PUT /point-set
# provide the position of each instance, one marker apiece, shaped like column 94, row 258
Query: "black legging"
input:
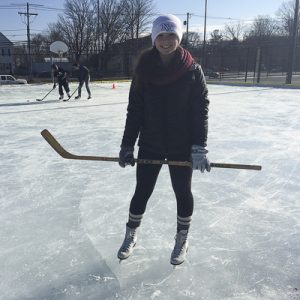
column 146, row 176
column 63, row 83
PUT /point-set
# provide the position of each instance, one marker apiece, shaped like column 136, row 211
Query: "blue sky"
column 218, row 13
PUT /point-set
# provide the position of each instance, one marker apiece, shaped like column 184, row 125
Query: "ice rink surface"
column 62, row 221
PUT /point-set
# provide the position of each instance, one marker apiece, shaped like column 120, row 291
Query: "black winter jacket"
column 169, row 118
column 83, row 73
column 60, row 74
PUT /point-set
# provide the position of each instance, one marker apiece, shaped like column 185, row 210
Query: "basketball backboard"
column 58, row 47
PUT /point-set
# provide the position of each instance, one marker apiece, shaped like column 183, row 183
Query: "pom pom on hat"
column 166, row 24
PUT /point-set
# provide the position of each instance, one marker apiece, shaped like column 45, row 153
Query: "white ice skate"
column 180, row 249
column 128, row 243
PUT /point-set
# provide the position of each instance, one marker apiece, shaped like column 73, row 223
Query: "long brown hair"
column 145, row 66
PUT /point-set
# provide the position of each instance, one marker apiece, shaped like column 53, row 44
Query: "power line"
column 234, row 19
column 35, row 6
column 12, row 30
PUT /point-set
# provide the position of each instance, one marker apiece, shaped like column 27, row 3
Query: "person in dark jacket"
column 168, row 111
column 83, row 77
column 60, row 76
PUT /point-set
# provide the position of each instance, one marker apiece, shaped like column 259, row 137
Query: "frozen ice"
column 63, row 221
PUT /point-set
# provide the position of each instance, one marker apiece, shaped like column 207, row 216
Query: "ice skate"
column 128, row 243
column 180, row 249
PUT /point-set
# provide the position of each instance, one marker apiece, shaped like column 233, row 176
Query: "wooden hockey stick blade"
column 65, row 154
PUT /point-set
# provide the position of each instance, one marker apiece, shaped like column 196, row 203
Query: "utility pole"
column 204, row 38
column 98, row 25
column 187, row 29
column 293, row 43
column 27, row 22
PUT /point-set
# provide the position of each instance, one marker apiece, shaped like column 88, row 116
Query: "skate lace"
column 180, row 241
column 128, row 241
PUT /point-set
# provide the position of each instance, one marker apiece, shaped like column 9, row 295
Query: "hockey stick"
column 71, row 95
column 65, row 154
column 45, row 95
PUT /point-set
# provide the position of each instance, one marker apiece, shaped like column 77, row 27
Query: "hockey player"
column 83, row 77
column 168, row 110
column 60, row 76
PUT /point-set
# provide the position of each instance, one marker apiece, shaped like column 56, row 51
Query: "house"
column 6, row 60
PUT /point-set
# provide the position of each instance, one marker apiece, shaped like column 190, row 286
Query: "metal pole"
column 246, row 67
column 204, row 38
column 187, row 29
column 258, row 63
column 293, row 44
column 98, row 25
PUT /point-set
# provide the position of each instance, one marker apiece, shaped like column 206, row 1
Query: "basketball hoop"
column 59, row 48
column 60, row 54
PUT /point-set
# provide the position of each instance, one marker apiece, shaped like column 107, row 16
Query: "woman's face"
column 166, row 43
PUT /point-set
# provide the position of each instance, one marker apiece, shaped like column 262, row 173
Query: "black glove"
column 126, row 156
column 199, row 159
column 54, row 85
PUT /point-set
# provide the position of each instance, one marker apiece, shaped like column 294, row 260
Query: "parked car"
column 213, row 74
column 8, row 79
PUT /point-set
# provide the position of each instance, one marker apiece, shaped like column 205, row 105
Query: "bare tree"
column 54, row 33
column 77, row 26
column 263, row 26
column 234, row 31
column 216, row 36
column 194, row 39
column 111, row 23
column 137, row 14
column 40, row 46
column 286, row 14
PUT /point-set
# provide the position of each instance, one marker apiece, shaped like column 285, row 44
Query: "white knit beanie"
column 166, row 24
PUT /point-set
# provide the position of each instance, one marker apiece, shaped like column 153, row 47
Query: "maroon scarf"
column 151, row 70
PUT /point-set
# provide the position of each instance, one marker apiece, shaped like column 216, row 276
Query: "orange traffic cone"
column 113, row 86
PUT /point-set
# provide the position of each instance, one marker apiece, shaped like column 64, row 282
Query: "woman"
column 168, row 110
